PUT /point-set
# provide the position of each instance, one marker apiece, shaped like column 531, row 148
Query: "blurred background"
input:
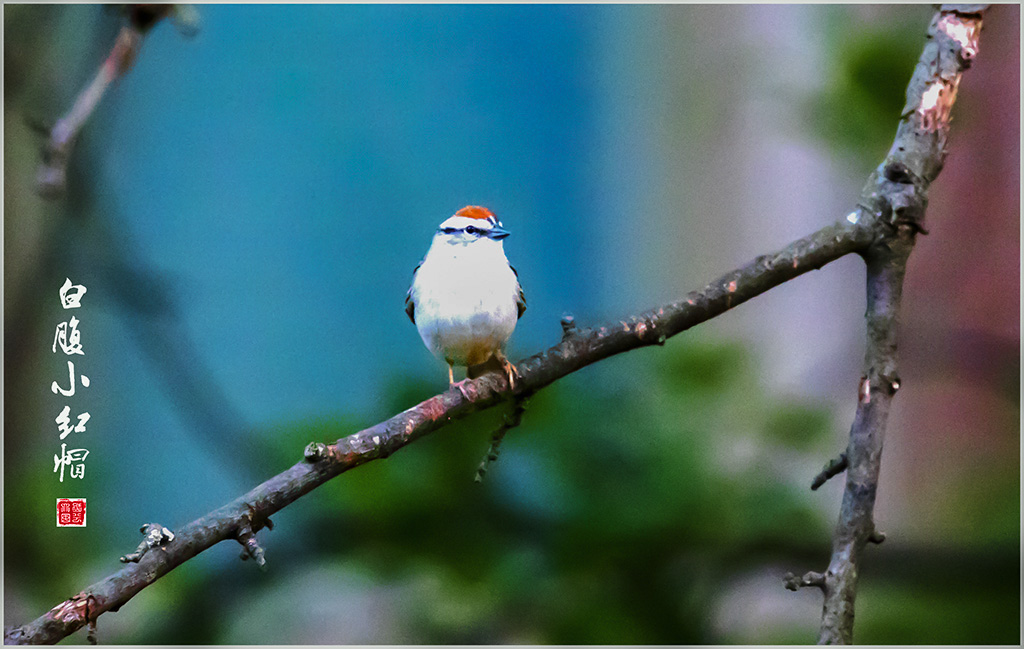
column 246, row 207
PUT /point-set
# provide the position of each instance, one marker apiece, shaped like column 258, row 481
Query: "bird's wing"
column 410, row 306
column 521, row 297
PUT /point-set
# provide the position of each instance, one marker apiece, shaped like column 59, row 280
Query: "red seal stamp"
column 71, row 512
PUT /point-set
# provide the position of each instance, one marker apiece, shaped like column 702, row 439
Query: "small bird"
column 465, row 298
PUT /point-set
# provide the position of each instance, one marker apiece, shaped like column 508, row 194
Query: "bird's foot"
column 510, row 373
column 461, row 385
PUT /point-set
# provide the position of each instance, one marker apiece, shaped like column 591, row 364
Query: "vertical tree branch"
column 886, row 266
column 896, row 195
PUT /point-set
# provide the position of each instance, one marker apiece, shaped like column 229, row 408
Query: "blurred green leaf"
column 796, row 426
column 865, row 89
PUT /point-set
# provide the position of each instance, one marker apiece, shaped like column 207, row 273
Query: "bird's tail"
column 493, row 364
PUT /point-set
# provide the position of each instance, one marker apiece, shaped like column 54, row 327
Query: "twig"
column 251, row 548
column 568, row 325
column 509, row 422
column 831, row 470
column 90, row 633
column 809, row 580
column 896, row 195
column 52, row 175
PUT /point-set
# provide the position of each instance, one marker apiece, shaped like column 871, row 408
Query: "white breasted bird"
column 465, row 297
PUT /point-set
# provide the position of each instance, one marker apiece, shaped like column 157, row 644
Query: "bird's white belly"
column 464, row 318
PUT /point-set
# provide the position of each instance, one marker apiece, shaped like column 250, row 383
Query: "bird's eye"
column 473, row 230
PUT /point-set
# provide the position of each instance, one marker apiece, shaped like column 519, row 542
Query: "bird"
column 465, row 298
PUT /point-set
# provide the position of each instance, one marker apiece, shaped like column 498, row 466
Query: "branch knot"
column 156, row 535
column 316, row 451
column 568, row 326
column 251, row 549
column 831, row 470
column 809, row 580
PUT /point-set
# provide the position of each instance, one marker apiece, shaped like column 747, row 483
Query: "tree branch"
column 831, row 470
column 578, row 348
column 897, row 192
column 52, row 174
column 881, row 229
column 511, row 420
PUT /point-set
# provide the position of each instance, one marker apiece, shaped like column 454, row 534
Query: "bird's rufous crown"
column 476, row 212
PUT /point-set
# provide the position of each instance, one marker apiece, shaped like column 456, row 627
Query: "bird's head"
column 470, row 225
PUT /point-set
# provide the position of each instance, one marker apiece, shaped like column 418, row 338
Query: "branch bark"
column 881, row 229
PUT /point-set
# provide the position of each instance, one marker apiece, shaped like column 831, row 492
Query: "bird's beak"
column 498, row 233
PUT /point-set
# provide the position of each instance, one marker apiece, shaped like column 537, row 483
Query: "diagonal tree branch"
column 52, row 174
column 577, row 349
column 897, row 193
column 881, row 229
